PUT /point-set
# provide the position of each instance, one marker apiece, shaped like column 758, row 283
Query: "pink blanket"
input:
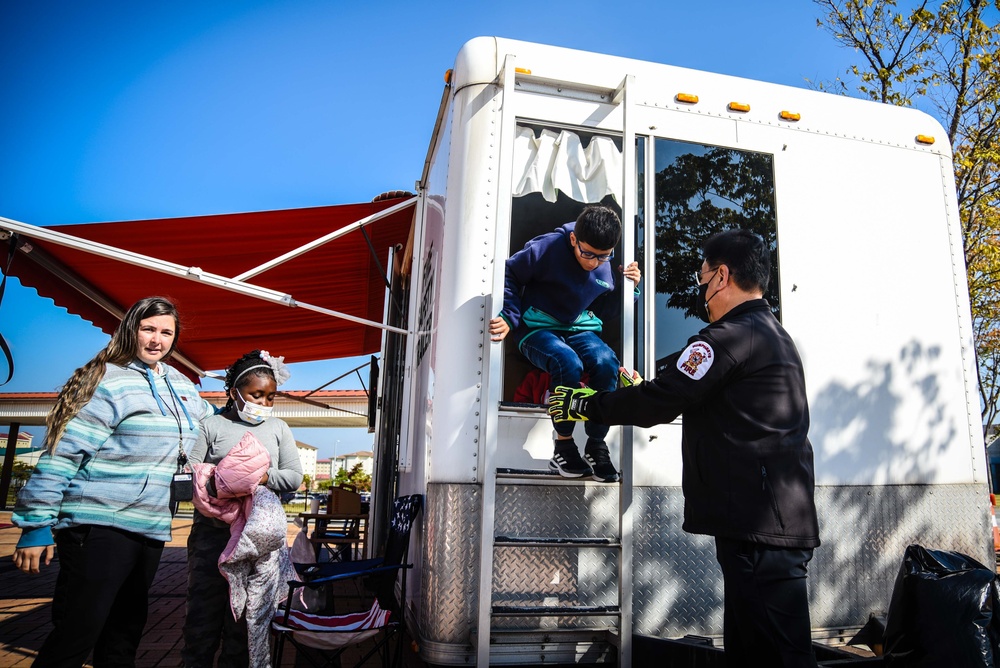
column 236, row 477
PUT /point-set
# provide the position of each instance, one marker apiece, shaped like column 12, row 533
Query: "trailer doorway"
column 561, row 162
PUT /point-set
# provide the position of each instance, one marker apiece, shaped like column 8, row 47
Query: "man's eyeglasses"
column 588, row 255
column 699, row 274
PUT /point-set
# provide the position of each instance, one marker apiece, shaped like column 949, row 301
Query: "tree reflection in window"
column 701, row 190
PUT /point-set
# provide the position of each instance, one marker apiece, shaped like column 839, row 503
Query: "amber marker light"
column 738, row 106
column 925, row 139
column 447, row 77
column 522, row 70
column 789, row 116
column 686, row 97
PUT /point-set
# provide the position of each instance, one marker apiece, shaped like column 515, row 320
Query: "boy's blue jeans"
column 566, row 356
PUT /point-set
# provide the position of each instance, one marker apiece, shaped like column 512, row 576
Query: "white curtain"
column 558, row 162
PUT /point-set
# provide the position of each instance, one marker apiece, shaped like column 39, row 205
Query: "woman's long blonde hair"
column 123, row 348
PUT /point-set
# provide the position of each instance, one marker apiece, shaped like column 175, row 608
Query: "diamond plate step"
column 546, row 476
column 537, row 541
column 554, row 610
column 579, row 633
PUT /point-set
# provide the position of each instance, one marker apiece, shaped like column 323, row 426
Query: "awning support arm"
column 318, row 404
column 361, row 380
column 371, row 249
column 343, row 375
column 316, row 243
column 381, row 271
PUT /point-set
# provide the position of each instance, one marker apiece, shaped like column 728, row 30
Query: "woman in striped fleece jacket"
column 101, row 490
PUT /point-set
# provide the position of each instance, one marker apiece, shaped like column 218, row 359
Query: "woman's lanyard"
column 176, row 414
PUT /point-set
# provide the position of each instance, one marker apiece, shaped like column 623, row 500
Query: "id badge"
column 182, row 487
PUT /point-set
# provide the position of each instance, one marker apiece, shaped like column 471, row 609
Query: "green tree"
column 943, row 58
column 362, row 481
column 20, row 474
column 699, row 194
column 355, row 478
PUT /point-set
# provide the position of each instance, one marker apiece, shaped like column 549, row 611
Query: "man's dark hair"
column 598, row 227
column 746, row 255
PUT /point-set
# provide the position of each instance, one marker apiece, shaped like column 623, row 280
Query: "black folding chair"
column 340, row 536
column 310, row 622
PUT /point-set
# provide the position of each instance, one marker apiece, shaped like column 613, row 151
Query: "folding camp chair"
column 309, row 619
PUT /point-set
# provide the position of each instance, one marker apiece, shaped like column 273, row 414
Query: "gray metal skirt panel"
column 677, row 584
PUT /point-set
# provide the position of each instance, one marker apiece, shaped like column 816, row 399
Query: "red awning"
column 218, row 325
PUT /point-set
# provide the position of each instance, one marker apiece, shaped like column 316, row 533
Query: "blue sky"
column 138, row 110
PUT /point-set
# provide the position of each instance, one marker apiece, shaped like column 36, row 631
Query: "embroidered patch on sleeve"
column 696, row 360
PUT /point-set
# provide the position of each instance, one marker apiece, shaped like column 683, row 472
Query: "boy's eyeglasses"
column 587, row 255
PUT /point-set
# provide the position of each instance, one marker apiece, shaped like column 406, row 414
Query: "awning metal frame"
column 237, row 284
column 305, row 248
column 67, row 276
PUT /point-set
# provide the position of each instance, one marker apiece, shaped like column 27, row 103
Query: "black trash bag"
column 942, row 612
column 871, row 634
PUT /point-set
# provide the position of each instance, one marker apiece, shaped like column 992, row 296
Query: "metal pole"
column 8, row 463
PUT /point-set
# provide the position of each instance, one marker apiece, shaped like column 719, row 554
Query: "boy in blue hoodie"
column 550, row 290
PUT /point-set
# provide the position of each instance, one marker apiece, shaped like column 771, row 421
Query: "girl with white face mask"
column 251, row 384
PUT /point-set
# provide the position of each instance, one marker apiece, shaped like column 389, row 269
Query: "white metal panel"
column 656, row 453
column 467, row 256
column 869, row 295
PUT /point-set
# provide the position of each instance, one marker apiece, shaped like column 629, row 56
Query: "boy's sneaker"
column 567, row 460
column 596, row 454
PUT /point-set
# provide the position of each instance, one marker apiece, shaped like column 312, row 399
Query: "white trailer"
column 858, row 201
column 515, row 566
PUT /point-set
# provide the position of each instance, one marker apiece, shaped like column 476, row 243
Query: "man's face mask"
column 701, row 303
column 252, row 413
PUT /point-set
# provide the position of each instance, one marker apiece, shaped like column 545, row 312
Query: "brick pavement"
column 25, row 605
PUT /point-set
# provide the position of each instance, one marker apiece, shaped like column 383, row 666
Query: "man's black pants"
column 101, row 597
column 766, row 604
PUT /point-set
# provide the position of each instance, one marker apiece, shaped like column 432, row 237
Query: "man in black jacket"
column 748, row 466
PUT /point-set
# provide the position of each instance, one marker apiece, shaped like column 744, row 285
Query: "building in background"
column 307, row 457
column 323, row 469
column 23, row 450
column 350, row 460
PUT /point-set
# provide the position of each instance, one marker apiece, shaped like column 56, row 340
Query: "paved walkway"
column 25, row 605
